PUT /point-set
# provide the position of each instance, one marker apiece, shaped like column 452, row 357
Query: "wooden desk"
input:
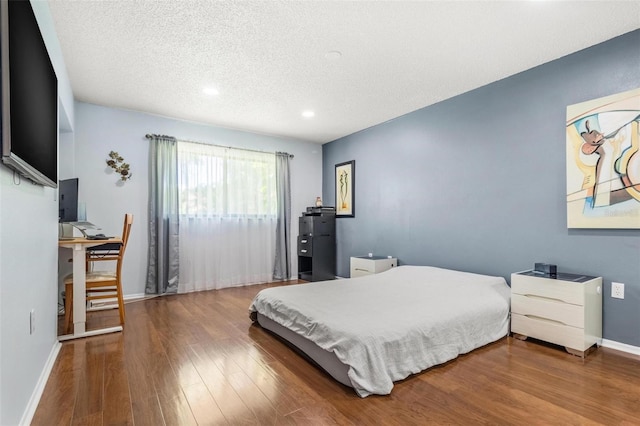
column 79, row 247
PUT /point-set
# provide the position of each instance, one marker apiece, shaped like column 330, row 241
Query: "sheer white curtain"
column 228, row 216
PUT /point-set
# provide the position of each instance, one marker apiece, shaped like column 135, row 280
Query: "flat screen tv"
column 29, row 96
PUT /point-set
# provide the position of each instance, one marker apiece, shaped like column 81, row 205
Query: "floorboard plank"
column 147, row 411
column 88, row 399
column 203, row 406
column 117, row 399
column 176, row 410
column 228, row 401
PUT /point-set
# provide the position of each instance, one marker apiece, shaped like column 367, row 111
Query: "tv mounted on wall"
column 29, row 96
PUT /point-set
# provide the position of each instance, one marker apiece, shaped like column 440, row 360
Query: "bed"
column 371, row 331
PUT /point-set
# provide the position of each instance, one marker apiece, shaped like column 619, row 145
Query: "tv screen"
column 29, row 96
column 68, row 200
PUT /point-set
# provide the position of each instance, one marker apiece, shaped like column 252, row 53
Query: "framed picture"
column 603, row 162
column 345, row 189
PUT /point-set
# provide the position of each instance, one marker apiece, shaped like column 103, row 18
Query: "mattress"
column 384, row 327
column 326, row 360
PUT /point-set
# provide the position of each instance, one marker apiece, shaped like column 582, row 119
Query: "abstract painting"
column 603, row 162
column 345, row 189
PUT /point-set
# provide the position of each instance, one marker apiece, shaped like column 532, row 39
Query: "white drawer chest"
column 565, row 310
column 365, row 265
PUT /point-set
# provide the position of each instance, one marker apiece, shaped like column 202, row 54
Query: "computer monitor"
column 68, row 200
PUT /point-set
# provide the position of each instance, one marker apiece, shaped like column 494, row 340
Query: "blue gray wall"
column 477, row 182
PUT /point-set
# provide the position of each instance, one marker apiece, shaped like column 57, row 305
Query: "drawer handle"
column 537, row 318
column 360, row 269
column 303, row 251
column 548, row 299
column 303, row 241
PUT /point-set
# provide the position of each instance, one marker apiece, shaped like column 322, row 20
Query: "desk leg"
column 79, row 301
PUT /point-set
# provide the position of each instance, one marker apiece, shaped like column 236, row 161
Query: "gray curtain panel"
column 162, row 271
column 282, row 266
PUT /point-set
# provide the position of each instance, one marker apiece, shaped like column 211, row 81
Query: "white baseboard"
column 112, row 303
column 27, row 416
column 135, row 296
column 621, row 346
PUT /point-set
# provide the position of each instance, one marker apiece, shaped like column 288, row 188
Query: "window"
column 225, row 182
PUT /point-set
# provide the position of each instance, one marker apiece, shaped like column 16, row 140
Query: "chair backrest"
column 126, row 231
column 109, row 253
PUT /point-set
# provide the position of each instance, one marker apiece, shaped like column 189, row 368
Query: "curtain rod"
column 150, row 136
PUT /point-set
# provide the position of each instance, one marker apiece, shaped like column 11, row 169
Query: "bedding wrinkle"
column 390, row 325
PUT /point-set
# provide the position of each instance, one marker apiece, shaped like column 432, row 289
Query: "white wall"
column 28, row 266
column 28, row 241
column 99, row 130
column 66, row 156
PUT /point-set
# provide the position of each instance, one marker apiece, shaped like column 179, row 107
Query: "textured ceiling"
column 270, row 60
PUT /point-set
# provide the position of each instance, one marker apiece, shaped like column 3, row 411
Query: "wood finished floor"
column 196, row 359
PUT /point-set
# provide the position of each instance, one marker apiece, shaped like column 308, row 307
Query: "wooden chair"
column 101, row 284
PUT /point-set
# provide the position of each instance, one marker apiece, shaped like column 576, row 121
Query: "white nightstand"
column 365, row 265
column 565, row 310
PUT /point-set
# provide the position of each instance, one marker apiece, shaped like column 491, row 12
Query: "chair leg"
column 120, row 303
column 68, row 308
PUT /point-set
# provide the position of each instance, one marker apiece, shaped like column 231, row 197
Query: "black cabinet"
column 317, row 247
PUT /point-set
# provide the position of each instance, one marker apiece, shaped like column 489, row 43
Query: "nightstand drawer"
column 552, row 309
column 549, row 331
column 565, row 291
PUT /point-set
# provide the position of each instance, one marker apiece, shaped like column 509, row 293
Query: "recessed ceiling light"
column 308, row 114
column 211, row 91
column 333, row 55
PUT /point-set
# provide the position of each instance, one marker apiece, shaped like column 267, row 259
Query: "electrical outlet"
column 617, row 290
column 32, row 321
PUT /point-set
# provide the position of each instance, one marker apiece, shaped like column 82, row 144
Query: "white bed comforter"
column 388, row 326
